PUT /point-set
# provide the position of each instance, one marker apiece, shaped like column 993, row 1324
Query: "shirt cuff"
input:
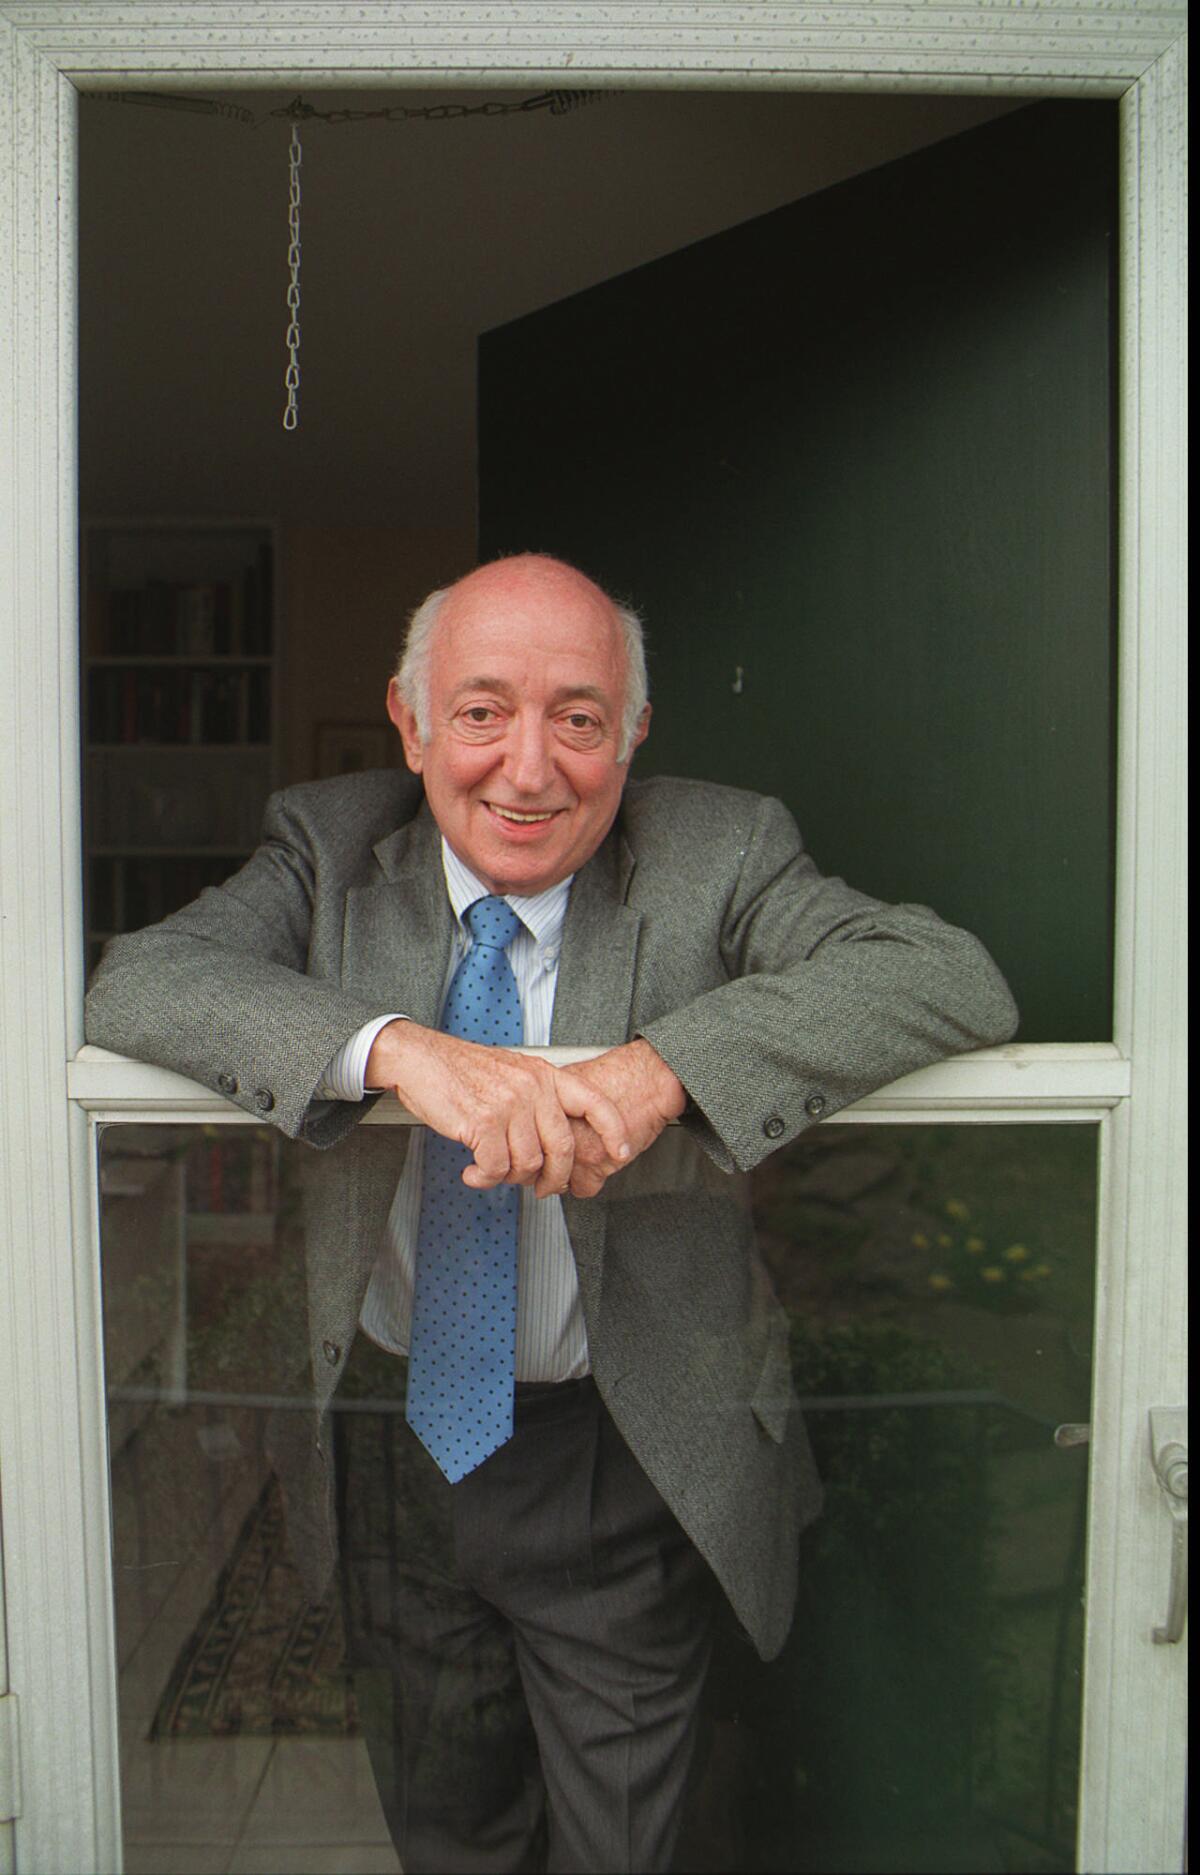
column 343, row 1078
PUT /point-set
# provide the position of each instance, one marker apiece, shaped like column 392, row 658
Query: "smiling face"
column 526, row 689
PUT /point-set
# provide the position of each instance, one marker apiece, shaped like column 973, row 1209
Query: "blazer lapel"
column 397, row 933
column 599, row 952
column 592, row 1003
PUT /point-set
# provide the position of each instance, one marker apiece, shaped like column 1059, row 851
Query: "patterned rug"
column 262, row 1659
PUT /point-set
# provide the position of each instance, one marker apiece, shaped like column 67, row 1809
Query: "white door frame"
column 52, row 1424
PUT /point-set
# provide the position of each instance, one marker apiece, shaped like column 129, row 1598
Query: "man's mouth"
column 523, row 819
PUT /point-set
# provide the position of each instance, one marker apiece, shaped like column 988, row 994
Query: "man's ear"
column 642, row 730
column 405, row 720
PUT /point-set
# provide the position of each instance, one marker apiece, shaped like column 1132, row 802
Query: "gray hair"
column 415, row 660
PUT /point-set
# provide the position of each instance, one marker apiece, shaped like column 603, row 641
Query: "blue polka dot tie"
column 464, row 1326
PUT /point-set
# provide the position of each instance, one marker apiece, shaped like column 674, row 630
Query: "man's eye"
column 478, row 713
column 581, row 722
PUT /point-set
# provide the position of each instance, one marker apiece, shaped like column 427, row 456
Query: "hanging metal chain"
column 558, row 103
column 291, row 412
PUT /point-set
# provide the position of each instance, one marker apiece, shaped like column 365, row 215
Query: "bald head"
column 523, row 583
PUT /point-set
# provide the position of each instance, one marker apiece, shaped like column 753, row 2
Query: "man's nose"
column 529, row 763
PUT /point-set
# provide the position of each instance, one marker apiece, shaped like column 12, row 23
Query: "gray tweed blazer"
column 777, row 995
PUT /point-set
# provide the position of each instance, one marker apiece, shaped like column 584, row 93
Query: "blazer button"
column 264, row 1100
column 774, row 1128
column 815, row 1105
column 332, row 1352
column 227, row 1083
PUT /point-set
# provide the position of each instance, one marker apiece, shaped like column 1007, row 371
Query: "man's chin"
column 523, row 872
column 520, row 881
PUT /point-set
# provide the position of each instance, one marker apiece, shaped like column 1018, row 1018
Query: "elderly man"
column 600, row 1431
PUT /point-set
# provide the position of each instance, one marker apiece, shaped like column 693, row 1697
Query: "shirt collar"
column 542, row 914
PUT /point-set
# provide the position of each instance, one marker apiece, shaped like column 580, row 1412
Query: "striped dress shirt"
column 551, row 1337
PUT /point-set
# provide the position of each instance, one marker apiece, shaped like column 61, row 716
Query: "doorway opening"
column 371, row 501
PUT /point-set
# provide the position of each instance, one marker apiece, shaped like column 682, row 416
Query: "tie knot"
column 492, row 923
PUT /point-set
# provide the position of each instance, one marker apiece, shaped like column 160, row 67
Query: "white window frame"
column 56, row 1568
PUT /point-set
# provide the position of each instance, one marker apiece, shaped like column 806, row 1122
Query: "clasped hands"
column 524, row 1121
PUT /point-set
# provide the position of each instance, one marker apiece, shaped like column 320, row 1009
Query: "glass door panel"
column 925, row 1712
column 240, row 1746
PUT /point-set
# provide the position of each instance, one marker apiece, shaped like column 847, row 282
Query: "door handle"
column 1169, row 1455
column 1072, row 1434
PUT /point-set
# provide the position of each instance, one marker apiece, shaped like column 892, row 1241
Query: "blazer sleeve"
column 222, row 991
column 830, row 995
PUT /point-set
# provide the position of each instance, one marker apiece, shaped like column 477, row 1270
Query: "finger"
column 585, row 1102
column 491, row 1163
column 555, row 1170
column 590, row 1149
column 557, row 1135
column 587, row 1181
column 525, row 1154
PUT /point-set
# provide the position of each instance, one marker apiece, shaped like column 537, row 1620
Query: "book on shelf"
column 178, row 705
column 197, row 619
column 233, row 1174
column 150, row 886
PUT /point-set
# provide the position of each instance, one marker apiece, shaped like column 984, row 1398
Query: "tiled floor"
column 216, row 1806
column 285, row 1806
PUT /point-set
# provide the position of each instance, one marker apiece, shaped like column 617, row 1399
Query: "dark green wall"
column 860, row 447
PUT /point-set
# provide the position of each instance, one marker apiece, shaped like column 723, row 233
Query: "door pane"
column 240, row 1746
column 925, row 1712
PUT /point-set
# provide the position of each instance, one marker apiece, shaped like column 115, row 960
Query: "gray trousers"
column 529, row 1644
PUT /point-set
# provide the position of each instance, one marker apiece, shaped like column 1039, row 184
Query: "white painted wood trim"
column 53, row 1460
column 1017, row 1080
column 55, row 1530
column 1135, row 1735
column 1050, row 45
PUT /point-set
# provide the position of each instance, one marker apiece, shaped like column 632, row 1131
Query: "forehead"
column 529, row 629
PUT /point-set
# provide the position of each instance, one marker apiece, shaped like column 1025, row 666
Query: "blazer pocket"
column 773, row 1399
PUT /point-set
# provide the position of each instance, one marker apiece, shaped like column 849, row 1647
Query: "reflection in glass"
column 240, row 1744
column 925, row 1711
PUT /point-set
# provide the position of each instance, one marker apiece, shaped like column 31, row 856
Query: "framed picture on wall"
column 345, row 748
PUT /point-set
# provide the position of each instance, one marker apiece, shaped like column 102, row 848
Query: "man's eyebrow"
column 592, row 693
column 481, row 683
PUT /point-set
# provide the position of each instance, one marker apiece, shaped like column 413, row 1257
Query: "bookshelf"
column 191, row 1262
column 180, row 712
